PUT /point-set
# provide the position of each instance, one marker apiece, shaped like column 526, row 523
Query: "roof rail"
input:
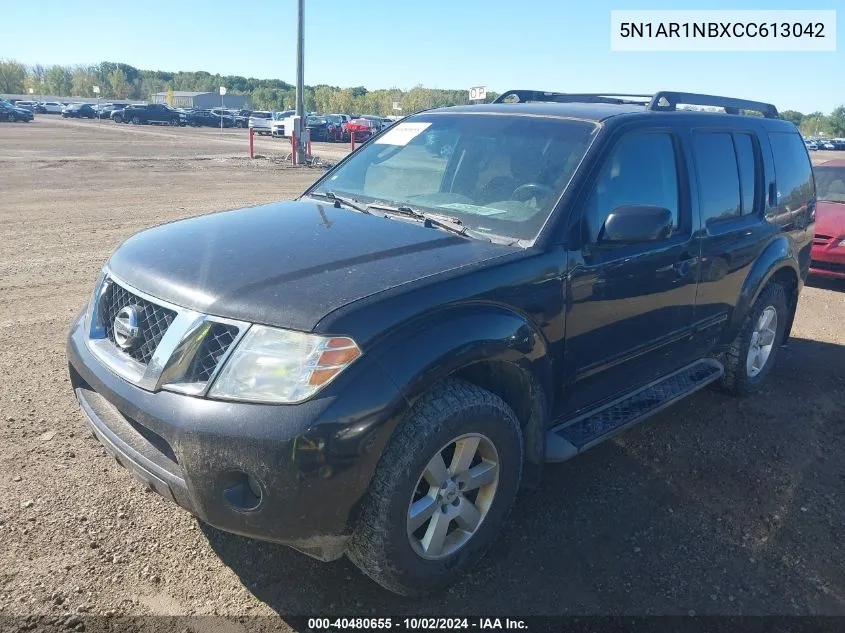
column 663, row 101
column 523, row 96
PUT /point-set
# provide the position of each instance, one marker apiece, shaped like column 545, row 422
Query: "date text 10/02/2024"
column 416, row 623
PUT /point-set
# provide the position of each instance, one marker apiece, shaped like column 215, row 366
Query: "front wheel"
column 751, row 356
column 441, row 492
column 136, row 120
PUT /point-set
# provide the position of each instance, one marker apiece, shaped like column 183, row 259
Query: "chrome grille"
column 215, row 343
column 154, row 320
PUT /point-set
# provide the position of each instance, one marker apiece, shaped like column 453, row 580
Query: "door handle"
column 683, row 266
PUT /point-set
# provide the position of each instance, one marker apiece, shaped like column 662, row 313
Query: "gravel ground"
column 716, row 506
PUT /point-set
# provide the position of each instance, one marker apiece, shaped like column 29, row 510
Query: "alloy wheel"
column 453, row 496
column 762, row 341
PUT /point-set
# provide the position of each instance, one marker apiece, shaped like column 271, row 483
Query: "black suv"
column 374, row 368
column 149, row 113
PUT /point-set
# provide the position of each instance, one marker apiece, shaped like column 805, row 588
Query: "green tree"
column 119, row 87
column 57, row 81
column 12, row 76
column 836, row 122
column 793, row 116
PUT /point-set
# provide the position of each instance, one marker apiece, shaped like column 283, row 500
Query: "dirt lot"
column 717, row 506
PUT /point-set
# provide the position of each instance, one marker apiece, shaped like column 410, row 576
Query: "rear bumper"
column 288, row 474
column 828, row 261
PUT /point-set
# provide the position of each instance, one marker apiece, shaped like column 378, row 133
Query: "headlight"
column 281, row 366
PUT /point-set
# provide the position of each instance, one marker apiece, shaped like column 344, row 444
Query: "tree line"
column 122, row 81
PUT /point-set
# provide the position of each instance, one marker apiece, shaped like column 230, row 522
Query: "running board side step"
column 579, row 434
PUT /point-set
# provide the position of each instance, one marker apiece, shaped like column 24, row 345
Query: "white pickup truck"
column 260, row 121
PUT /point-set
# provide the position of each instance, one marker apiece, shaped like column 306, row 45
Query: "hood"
column 287, row 264
column 830, row 218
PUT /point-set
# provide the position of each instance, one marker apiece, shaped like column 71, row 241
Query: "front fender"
column 460, row 337
column 777, row 255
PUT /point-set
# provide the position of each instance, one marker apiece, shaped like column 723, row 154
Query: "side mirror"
column 636, row 223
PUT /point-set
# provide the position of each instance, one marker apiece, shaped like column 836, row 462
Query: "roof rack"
column 524, row 96
column 664, row 101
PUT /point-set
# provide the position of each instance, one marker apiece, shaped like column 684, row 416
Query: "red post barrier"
column 293, row 148
column 252, row 142
column 352, row 140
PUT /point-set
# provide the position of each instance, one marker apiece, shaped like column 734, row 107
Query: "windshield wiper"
column 453, row 225
column 342, row 200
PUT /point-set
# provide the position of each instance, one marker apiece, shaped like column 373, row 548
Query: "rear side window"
column 793, row 173
column 718, row 176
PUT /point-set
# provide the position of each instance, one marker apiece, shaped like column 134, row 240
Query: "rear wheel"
column 752, row 354
column 117, row 118
column 442, row 489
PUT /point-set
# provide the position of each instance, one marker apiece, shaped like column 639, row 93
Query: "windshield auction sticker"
column 401, row 133
column 723, row 30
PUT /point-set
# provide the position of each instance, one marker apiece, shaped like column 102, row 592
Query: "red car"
column 828, row 255
column 363, row 129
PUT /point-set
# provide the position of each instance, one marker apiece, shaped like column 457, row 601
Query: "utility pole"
column 300, row 84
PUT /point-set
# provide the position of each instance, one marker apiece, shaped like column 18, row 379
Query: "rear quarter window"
column 793, row 173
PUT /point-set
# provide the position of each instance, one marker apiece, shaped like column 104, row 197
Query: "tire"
column 136, row 120
column 382, row 545
column 117, row 119
column 740, row 378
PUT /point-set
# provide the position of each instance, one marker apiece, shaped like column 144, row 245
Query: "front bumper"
column 828, row 261
column 291, row 474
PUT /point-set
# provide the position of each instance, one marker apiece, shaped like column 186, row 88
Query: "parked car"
column 230, row 118
column 139, row 114
column 27, row 105
column 828, row 145
column 336, row 128
column 50, row 107
column 260, row 121
column 811, row 145
column 208, row 118
column 277, row 124
column 318, row 127
column 106, row 111
column 381, row 388
column 79, row 111
column 362, row 129
column 828, row 255
column 10, row 113
column 377, row 121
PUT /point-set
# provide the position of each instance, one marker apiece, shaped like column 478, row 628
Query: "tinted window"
column 641, row 170
column 793, row 173
column 718, row 176
column 830, row 183
column 746, row 158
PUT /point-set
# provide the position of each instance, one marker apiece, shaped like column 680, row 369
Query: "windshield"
column 499, row 175
column 315, row 120
column 830, row 183
column 333, row 118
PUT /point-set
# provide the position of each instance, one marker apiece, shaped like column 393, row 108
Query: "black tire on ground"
column 117, row 118
column 136, row 120
column 380, row 546
column 737, row 380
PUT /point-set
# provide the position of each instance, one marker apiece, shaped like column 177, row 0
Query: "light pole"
column 300, row 85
